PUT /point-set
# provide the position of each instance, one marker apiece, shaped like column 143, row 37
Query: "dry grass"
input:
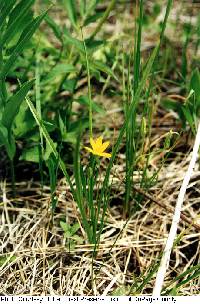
column 38, row 262
column 34, row 258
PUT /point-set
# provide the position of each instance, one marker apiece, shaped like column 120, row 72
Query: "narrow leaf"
column 25, row 37
column 55, row 28
column 16, row 18
column 71, row 10
column 5, row 10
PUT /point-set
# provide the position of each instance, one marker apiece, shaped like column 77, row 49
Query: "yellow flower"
column 98, row 147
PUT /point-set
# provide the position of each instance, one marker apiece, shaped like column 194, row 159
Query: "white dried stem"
column 176, row 217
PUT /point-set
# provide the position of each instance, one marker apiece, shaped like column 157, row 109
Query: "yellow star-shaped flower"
column 98, row 147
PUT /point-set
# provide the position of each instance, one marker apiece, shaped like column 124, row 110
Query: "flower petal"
column 104, row 146
column 105, row 154
column 89, row 150
column 92, row 143
column 98, row 143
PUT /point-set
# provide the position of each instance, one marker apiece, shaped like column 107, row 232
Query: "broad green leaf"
column 69, row 137
column 195, row 84
column 24, row 122
column 74, row 228
column 64, row 226
column 84, row 100
column 30, row 155
column 13, row 105
column 78, row 239
column 25, row 37
column 67, row 234
column 7, row 140
column 69, row 230
column 71, row 11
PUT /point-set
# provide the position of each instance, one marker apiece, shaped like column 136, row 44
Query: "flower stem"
column 89, row 85
column 12, row 170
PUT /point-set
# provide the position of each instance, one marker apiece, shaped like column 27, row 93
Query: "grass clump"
column 109, row 74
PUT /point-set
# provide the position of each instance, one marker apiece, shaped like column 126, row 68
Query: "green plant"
column 17, row 26
column 92, row 197
column 62, row 72
column 70, row 237
column 136, row 132
column 188, row 110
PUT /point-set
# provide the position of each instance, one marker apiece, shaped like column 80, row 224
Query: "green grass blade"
column 55, row 28
column 25, row 37
column 133, row 105
column 169, row 5
column 71, row 10
column 39, row 111
column 137, row 49
column 103, row 19
column 79, row 189
column 131, row 129
column 51, row 144
column 5, row 10
column 89, row 86
column 16, row 18
column 196, row 269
